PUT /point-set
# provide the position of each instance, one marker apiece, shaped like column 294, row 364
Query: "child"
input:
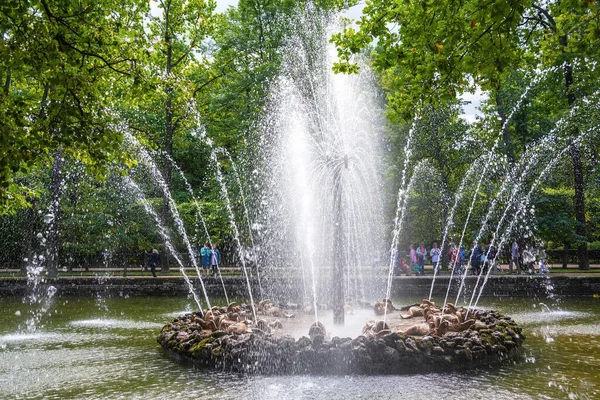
column 413, row 259
column 404, row 266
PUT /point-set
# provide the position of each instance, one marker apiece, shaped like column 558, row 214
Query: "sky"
column 353, row 12
column 470, row 110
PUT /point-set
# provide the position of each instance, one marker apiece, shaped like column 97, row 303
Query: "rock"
column 411, row 344
column 391, row 338
column 401, row 347
column 318, row 340
column 390, row 356
column 463, row 355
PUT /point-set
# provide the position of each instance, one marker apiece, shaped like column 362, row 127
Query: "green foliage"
column 427, row 51
column 57, row 65
column 554, row 209
column 74, row 75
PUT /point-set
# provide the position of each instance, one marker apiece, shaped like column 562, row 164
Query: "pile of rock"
column 490, row 339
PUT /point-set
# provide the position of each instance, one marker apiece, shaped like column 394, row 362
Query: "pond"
column 99, row 348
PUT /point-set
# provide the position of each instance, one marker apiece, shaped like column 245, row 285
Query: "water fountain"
column 320, row 157
column 323, row 184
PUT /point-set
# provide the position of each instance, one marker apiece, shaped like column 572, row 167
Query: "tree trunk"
column 168, row 142
column 579, row 200
column 565, row 257
column 7, row 83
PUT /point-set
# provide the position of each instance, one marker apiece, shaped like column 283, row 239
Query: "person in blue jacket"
column 205, row 255
column 476, row 259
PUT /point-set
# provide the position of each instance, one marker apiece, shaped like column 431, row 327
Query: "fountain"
column 305, row 324
column 323, row 190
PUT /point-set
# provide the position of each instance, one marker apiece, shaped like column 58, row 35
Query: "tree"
column 569, row 35
column 175, row 39
column 482, row 42
column 57, row 64
column 430, row 52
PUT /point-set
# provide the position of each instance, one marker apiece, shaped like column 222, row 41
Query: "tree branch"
column 546, row 14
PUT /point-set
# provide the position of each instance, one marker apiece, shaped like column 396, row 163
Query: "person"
column 542, row 263
column 215, row 260
column 483, row 261
column 422, row 257
column 462, row 257
column 514, row 257
column 403, row 267
column 205, row 254
column 528, row 259
column 476, row 259
column 376, row 262
column 153, row 261
column 491, row 252
column 435, row 253
column 413, row 259
column 453, row 254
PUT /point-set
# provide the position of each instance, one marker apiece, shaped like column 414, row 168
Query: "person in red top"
column 454, row 255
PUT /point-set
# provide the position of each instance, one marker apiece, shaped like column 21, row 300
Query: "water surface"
column 99, row 348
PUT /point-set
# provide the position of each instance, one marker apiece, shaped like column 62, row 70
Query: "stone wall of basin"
column 505, row 286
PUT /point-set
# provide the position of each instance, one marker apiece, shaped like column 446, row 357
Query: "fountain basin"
column 494, row 339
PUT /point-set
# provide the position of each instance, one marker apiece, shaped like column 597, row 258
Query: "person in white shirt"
column 434, row 253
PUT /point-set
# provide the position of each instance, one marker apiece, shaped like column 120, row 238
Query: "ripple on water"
column 415, row 387
column 540, row 317
column 573, row 330
column 116, row 323
column 52, row 338
column 176, row 314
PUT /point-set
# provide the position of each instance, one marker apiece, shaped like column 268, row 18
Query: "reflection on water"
column 116, row 323
column 86, row 351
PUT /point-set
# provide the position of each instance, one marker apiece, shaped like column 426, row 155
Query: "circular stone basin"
column 226, row 340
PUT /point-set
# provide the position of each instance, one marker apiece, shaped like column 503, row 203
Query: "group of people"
column 210, row 257
column 483, row 257
column 526, row 261
column 418, row 257
column 480, row 258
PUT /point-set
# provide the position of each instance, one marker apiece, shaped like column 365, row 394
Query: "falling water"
column 525, row 202
column 246, row 215
column 450, row 223
column 325, row 136
column 538, row 75
column 138, row 193
column 546, row 144
column 236, row 233
column 199, row 214
column 154, row 171
column 398, row 229
column 400, row 207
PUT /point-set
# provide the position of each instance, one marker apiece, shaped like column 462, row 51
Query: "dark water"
column 105, row 348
